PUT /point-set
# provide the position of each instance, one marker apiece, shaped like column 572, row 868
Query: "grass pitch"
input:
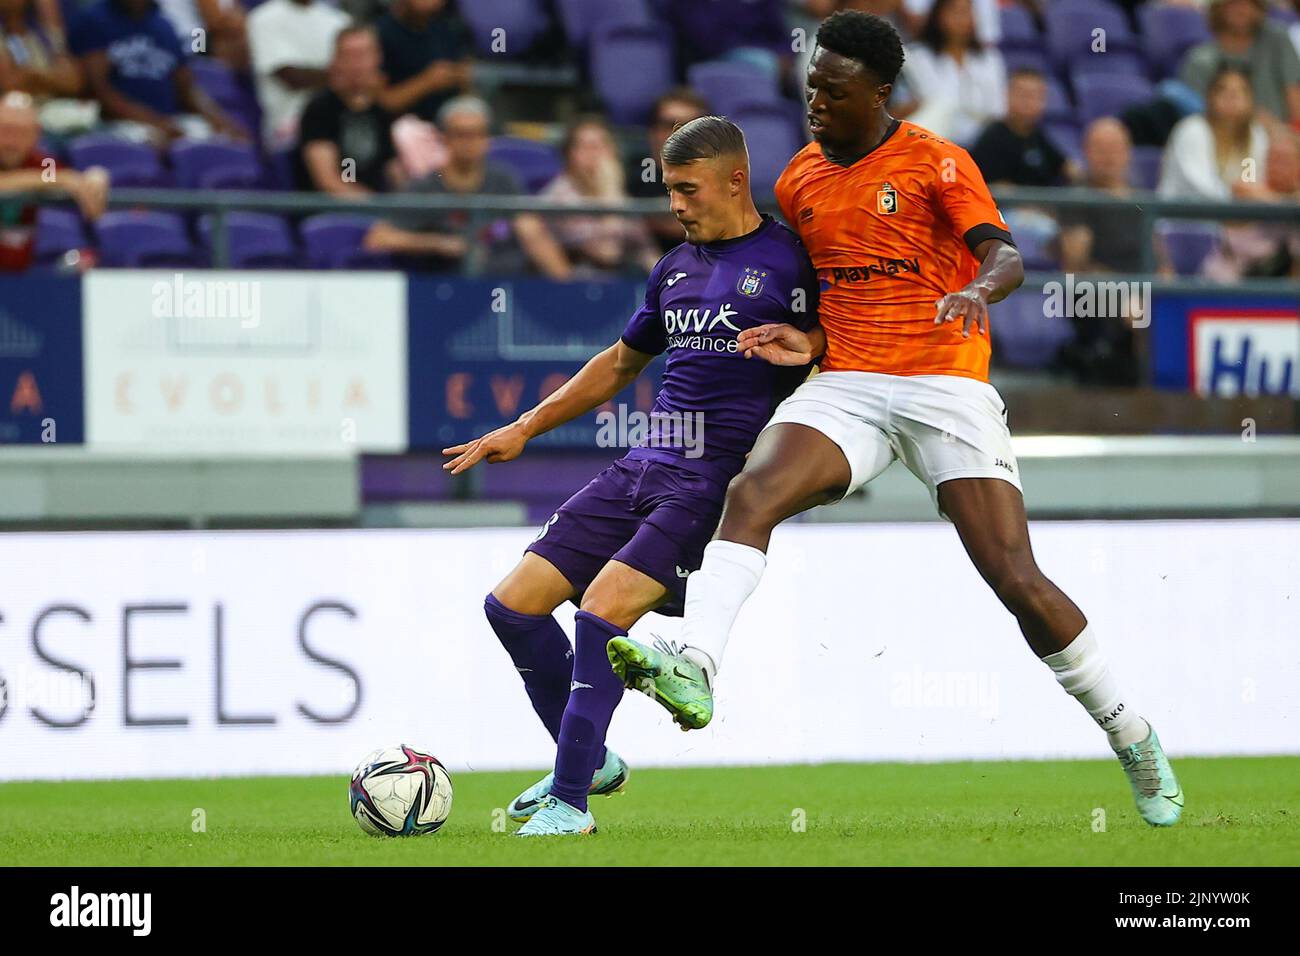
column 1240, row 811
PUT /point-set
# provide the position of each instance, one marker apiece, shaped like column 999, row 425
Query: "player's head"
column 850, row 75
column 706, row 173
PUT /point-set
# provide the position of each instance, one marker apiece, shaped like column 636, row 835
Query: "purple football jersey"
column 713, row 402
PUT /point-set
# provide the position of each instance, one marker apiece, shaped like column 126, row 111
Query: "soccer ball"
column 399, row 791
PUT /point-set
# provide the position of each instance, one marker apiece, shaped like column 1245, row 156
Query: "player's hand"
column 503, row 444
column 969, row 305
column 778, row 343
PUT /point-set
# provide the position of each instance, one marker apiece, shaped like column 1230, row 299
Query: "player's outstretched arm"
column 782, row 344
column 1001, row 272
column 599, row 380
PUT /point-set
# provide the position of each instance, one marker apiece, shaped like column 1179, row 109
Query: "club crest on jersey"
column 886, row 200
column 750, row 282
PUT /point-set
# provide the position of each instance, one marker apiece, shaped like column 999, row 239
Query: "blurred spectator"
column 1103, row 239
column 956, row 85
column 220, row 24
column 643, row 174
column 988, row 25
column 436, row 241
column 135, row 66
column 752, row 31
column 1014, row 151
column 290, row 43
column 597, row 244
column 1264, row 249
column 426, row 56
column 24, row 168
column 1222, row 153
column 1244, row 37
column 1103, row 351
column 346, row 143
column 31, row 60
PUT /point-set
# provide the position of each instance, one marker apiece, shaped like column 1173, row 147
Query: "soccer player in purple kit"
column 624, row 544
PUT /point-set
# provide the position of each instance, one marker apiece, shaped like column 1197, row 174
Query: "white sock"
column 1081, row 668
column 726, row 578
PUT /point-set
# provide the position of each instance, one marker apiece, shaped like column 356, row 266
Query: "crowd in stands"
column 1190, row 98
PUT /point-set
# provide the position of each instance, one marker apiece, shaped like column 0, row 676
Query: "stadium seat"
column 1059, row 107
column 1070, row 30
column 631, row 66
column 773, row 137
column 1146, row 166
column 581, row 18
column 255, row 240
column 1019, row 31
column 729, row 86
column 1023, row 335
column 1117, row 63
column 1187, row 244
column 1101, row 94
column 57, row 232
column 333, row 241
column 536, row 164
column 1016, row 59
column 215, row 165
column 1067, row 137
column 128, row 164
column 1168, row 32
column 143, row 239
column 520, row 22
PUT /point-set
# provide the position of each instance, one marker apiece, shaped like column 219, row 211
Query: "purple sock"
column 542, row 655
column 596, row 692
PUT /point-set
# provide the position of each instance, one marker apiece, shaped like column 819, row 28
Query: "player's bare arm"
column 1001, row 272
column 603, row 377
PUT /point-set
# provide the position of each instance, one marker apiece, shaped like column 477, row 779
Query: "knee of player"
column 1016, row 579
column 754, row 495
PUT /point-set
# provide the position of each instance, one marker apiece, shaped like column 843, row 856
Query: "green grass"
column 1240, row 811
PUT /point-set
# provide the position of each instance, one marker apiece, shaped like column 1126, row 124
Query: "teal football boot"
column 664, row 673
column 609, row 779
column 557, row 818
column 1156, row 791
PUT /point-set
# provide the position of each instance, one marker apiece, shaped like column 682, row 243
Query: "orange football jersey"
column 889, row 236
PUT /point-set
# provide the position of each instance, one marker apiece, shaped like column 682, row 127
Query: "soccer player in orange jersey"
column 910, row 249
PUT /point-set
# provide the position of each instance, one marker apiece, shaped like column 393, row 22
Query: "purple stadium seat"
column 1168, row 32
column 581, row 18
column 128, row 164
column 1146, row 166
column 1026, row 59
column 215, row 165
column 214, row 77
column 1023, row 335
column 536, row 164
column 1115, row 63
column 773, row 137
column 1070, row 28
column 1019, row 32
column 142, row 239
column 333, row 241
column 57, row 231
column 1066, row 137
column 521, row 23
column 1105, row 95
column 1187, row 243
column 257, row 240
column 1037, row 251
column 730, row 86
column 631, row 66
column 1059, row 107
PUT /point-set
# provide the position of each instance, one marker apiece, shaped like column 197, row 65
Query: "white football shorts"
column 941, row 426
